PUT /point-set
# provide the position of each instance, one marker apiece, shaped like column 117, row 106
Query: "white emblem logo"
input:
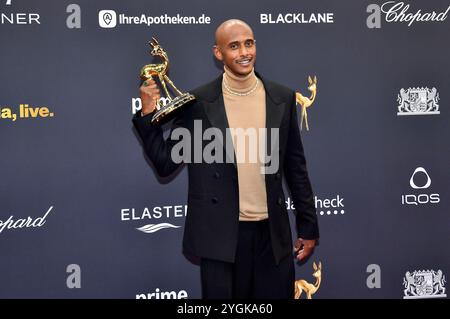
column 418, row 101
column 151, row 228
column 107, row 18
column 424, row 284
column 411, row 181
column 154, row 215
column 418, row 199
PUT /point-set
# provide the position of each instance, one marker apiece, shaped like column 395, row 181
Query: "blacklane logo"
column 296, row 18
column 107, row 18
column 416, row 199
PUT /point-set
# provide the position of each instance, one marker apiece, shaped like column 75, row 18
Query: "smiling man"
column 237, row 221
column 236, row 47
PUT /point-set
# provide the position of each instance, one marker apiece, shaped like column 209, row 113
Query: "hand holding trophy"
column 160, row 70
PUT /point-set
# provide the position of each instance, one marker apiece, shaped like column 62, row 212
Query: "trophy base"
column 173, row 105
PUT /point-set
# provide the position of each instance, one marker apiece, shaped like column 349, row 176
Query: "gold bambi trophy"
column 306, row 102
column 160, row 70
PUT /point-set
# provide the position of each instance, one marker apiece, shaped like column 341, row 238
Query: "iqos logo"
column 411, row 181
column 417, row 199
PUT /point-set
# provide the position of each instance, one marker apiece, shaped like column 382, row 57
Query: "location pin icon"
column 107, row 18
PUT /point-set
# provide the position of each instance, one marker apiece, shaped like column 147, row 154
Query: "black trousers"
column 254, row 274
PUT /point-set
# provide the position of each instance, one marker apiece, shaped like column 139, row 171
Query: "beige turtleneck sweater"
column 247, row 112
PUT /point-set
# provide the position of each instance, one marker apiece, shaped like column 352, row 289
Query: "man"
column 237, row 222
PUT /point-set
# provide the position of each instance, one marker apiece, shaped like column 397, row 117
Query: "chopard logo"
column 10, row 223
column 400, row 12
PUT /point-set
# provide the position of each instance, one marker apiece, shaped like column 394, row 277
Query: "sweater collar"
column 239, row 83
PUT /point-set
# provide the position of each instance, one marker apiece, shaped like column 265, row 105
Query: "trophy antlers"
column 154, row 42
column 157, row 50
column 159, row 70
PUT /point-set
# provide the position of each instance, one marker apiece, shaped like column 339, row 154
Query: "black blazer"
column 211, row 226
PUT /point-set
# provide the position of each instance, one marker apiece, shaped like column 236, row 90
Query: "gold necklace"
column 225, row 84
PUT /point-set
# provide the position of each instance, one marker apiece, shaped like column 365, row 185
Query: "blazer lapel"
column 217, row 116
column 274, row 114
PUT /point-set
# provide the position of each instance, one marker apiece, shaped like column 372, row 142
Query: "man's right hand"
column 149, row 96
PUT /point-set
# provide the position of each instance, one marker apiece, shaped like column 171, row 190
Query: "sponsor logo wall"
column 83, row 207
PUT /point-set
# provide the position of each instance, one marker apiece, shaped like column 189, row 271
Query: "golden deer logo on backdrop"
column 306, row 102
column 304, row 286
